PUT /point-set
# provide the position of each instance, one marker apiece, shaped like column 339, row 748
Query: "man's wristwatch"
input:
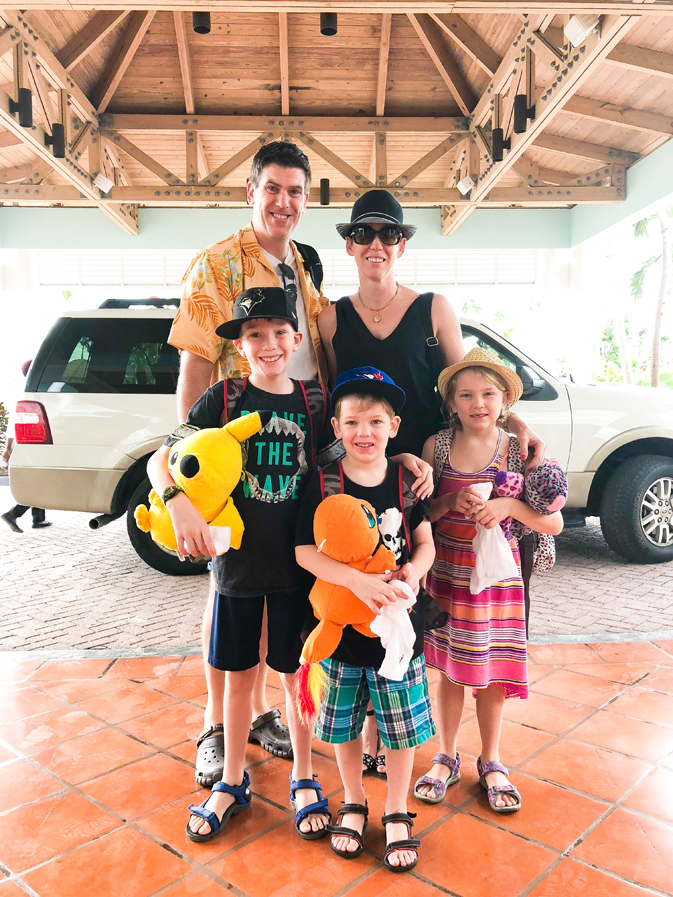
column 170, row 492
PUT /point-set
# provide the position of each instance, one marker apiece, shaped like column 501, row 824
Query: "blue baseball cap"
column 369, row 381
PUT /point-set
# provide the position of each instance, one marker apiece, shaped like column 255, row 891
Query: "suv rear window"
column 98, row 355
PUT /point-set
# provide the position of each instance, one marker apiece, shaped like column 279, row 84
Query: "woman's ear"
column 349, row 246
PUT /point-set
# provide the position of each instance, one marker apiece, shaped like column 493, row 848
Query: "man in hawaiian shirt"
column 261, row 254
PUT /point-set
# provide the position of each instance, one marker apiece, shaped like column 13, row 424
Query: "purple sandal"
column 494, row 790
column 440, row 785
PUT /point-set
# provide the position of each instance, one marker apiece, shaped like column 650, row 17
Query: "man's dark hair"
column 287, row 155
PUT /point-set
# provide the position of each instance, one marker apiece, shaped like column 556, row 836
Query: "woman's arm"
column 527, row 439
column 327, row 329
column 372, row 589
column 423, row 484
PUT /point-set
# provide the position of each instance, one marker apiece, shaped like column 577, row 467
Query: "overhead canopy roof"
column 405, row 96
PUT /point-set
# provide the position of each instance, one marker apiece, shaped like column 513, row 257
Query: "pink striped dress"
column 484, row 640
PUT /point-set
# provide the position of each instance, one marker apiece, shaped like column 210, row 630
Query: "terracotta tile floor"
column 96, row 775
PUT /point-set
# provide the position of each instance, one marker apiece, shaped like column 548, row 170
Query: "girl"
column 483, row 644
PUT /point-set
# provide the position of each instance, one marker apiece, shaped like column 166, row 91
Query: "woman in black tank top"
column 390, row 326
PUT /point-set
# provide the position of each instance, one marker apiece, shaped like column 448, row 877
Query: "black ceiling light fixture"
column 324, row 191
column 201, row 22
column 24, row 106
column 328, row 23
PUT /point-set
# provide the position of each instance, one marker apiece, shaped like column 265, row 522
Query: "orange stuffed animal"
column 346, row 530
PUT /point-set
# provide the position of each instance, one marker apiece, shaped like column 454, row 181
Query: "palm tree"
column 666, row 283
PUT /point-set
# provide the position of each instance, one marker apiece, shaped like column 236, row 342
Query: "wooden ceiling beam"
column 16, row 172
column 446, row 146
column 492, row 7
column 88, row 38
column 41, row 99
column 453, row 175
column 135, row 31
column 583, row 150
column 548, row 103
column 384, row 53
column 40, row 170
column 185, row 64
column 114, row 158
column 380, row 159
column 220, row 173
column 642, row 60
column 332, row 159
column 430, row 35
column 54, row 70
column 256, row 123
column 620, row 115
column 468, row 41
column 146, row 161
column 284, row 64
column 125, row 215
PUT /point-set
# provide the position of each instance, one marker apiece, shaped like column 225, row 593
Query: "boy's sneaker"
column 268, row 732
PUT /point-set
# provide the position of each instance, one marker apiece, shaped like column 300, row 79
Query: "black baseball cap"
column 259, row 302
column 371, row 382
column 377, row 207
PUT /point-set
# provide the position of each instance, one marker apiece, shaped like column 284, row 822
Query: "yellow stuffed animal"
column 206, row 465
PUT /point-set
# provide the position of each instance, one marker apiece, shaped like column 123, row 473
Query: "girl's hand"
column 424, row 484
column 465, row 501
column 492, row 513
column 373, row 590
column 407, row 574
column 191, row 530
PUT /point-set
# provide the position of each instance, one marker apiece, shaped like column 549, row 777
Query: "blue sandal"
column 318, row 806
column 242, row 802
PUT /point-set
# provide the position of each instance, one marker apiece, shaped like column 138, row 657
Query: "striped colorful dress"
column 484, row 640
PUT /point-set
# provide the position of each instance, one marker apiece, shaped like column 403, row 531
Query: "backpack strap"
column 233, row 388
column 315, row 399
column 407, row 498
column 332, row 479
column 312, row 263
column 443, row 441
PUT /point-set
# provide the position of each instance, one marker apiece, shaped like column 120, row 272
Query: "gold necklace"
column 377, row 315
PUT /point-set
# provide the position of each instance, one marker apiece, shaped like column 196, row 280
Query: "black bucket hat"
column 377, row 207
column 260, row 302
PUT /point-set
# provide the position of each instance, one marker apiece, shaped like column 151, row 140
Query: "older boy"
column 366, row 406
column 262, row 573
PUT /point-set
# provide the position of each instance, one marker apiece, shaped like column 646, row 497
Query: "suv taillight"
column 31, row 424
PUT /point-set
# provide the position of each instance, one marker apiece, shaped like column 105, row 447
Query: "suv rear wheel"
column 637, row 509
column 145, row 546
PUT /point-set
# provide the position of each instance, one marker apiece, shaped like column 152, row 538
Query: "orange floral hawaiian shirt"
column 211, row 285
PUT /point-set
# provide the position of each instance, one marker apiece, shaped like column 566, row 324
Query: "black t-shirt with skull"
column 355, row 648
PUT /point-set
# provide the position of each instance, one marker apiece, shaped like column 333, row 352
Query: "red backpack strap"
column 230, row 384
column 324, row 403
column 322, row 483
column 400, row 486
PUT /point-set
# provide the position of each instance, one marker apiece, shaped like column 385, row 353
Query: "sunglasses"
column 363, row 235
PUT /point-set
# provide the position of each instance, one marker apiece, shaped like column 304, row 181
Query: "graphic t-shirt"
column 277, row 469
column 355, row 648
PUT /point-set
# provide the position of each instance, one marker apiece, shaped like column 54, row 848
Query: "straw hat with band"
column 484, row 359
column 377, row 207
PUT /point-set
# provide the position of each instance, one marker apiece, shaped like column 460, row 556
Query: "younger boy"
column 366, row 406
column 262, row 573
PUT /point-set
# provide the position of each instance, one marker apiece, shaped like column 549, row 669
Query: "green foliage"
column 638, row 279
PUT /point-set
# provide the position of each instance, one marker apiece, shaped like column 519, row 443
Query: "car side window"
column 473, row 341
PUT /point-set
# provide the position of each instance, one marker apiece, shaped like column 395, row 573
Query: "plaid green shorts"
column 402, row 708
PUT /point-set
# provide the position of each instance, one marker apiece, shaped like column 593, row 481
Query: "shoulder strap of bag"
column 331, row 479
column 315, row 399
column 312, row 263
column 233, row 388
column 408, row 498
column 431, row 341
column 442, row 445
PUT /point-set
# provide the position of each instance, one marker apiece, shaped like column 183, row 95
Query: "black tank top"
column 403, row 356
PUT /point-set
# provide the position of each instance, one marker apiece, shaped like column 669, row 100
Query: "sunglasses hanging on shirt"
column 289, row 284
column 363, row 235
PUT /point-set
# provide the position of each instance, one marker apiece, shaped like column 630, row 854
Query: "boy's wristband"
column 170, row 492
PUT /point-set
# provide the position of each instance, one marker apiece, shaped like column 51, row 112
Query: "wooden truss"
column 96, row 142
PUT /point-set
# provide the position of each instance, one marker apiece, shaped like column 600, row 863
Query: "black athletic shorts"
column 237, row 629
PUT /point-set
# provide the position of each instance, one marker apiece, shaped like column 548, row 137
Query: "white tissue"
column 221, row 536
column 494, row 561
column 396, row 632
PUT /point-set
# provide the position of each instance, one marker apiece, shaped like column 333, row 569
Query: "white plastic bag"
column 396, row 632
column 494, row 560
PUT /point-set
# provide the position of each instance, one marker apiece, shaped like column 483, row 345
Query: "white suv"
column 100, row 398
